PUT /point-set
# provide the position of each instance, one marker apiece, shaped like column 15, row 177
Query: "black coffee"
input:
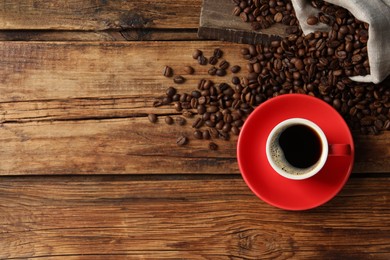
column 301, row 146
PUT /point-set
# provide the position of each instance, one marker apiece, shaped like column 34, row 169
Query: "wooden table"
column 84, row 175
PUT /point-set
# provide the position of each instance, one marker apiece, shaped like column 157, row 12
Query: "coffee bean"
column 189, row 70
column 210, row 123
column 235, row 69
column 170, row 92
column 213, row 146
column 235, row 130
column 182, row 140
column 212, row 109
column 244, row 17
column 198, row 134
column 386, row 125
column 218, row 53
column 197, row 123
column 219, row 125
column 235, row 80
column 178, row 106
column 206, row 135
column 179, row 79
column 312, row 20
column 212, row 71
column 221, row 72
column 176, row 97
column 167, row 71
column 226, row 128
column 236, row 11
column 223, row 64
column 188, row 114
column 203, row 100
column 166, row 100
column 213, row 60
column 278, row 17
column 202, row 60
column 152, row 118
column 157, row 103
column 195, row 94
column 181, row 120
column 194, row 103
column 196, row 54
column 169, row 120
column 201, row 109
column 214, row 132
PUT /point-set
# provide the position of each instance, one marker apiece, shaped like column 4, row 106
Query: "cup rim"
column 321, row 161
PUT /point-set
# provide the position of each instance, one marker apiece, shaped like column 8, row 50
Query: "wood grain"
column 98, row 15
column 80, row 108
column 145, row 34
column 192, row 217
column 218, row 23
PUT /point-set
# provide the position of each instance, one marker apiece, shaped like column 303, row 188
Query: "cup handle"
column 339, row 149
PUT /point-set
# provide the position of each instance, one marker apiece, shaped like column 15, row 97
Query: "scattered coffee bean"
column 312, row 20
column 198, row 123
column 166, row 100
column 196, row 54
column 213, row 60
column 178, row 107
column 220, row 72
column 202, row 60
column 206, row 135
column 212, row 71
column 169, row 120
column 235, row 80
column 223, row 64
column 181, row 120
column 235, row 69
column 157, row 103
column 198, row 134
column 188, row 114
column 167, row 71
column 182, row 140
column 235, row 130
column 213, row 146
column 218, row 53
column 179, row 79
column 214, row 132
column 152, row 118
column 189, row 70
column 171, row 91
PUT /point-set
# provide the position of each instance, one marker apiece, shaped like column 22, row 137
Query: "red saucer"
column 269, row 185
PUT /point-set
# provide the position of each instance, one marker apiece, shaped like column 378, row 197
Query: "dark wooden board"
column 188, row 218
column 93, row 15
column 218, row 23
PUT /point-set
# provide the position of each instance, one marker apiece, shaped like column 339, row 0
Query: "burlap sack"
column 374, row 12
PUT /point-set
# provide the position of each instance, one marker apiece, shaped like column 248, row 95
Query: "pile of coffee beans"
column 346, row 43
column 264, row 13
column 318, row 64
column 216, row 108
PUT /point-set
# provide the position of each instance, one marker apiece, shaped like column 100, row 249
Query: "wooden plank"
column 194, row 217
column 80, row 108
column 98, row 15
column 218, row 23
